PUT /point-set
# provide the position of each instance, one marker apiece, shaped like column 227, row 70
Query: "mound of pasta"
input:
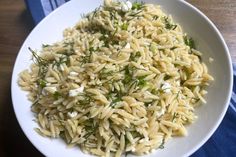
column 124, row 79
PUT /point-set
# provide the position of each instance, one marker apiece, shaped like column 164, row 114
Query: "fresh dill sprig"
column 36, row 58
column 141, row 81
column 189, row 42
column 42, row 83
column 41, row 62
column 114, row 33
column 134, row 57
column 87, row 99
column 91, row 129
column 63, row 59
column 136, row 13
column 162, row 144
column 56, row 95
column 137, row 5
column 126, row 144
column 168, row 24
column 87, row 58
column 45, row 45
column 128, row 75
column 115, row 96
column 174, row 47
column 124, row 26
column 95, row 12
column 155, row 17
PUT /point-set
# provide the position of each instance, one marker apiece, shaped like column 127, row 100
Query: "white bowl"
column 196, row 24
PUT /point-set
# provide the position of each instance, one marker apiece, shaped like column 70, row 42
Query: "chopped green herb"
column 155, row 17
column 45, row 45
column 128, row 75
column 136, row 13
column 113, row 16
column 105, row 39
column 91, row 49
column 189, row 42
column 114, row 33
column 91, row 130
column 173, row 48
column 115, row 96
column 87, row 58
column 155, row 91
column 56, row 95
column 162, row 144
column 167, row 77
column 35, row 102
column 41, row 62
column 69, row 45
column 115, row 101
column 95, row 12
column 127, row 79
column 142, row 82
column 137, row 5
column 124, row 26
column 103, row 73
column 91, row 42
column 42, row 83
column 66, row 44
column 174, row 116
column 196, row 99
column 161, row 147
column 126, row 144
column 109, row 37
column 134, row 57
column 169, row 25
column 63, row 59
column 87, row 99
column 83, row 16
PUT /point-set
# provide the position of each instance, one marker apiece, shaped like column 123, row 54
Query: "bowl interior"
column 194, row 23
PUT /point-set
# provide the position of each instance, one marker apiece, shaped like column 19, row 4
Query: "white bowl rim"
column 202, row 141
column 230, row 65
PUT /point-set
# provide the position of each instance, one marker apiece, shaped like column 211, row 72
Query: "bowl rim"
column 229, row 92
column 193, row 8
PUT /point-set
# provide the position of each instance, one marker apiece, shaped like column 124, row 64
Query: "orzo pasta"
column 125, row 79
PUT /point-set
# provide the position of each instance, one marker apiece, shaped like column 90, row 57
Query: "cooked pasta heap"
column 125, row 79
